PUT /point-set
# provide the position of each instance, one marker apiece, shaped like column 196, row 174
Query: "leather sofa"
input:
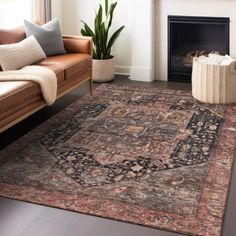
column 20, row 99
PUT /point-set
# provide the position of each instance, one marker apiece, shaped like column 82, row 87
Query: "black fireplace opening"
column 194, row 36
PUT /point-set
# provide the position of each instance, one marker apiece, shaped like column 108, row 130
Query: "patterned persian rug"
column 142, row 155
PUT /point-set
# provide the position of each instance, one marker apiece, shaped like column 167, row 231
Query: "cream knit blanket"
column 46, row 78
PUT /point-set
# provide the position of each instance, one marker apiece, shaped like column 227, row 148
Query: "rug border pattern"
column 206, row 224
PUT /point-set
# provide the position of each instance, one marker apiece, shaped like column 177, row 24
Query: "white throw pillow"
column 17, row 55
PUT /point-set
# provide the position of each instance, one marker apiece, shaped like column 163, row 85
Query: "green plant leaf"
column 106, row 6
column 95, row 54
column 100, row 14
column 100, row 34
column 103, row 39
column 98, row 37
column 88, row 30
column 85, row 33
column 111, row 13
column 114, row 37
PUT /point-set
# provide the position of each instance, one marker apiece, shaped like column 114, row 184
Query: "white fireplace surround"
column 149, row 36
column 143, row 41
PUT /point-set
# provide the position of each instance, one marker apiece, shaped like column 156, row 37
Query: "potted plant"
column 103, row 61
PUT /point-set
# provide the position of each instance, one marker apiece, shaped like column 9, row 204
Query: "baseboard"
column 122, row 70
column 141, row 74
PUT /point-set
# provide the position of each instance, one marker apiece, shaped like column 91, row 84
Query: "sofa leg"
column 91, row 86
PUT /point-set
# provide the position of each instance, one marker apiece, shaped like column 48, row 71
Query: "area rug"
column 142, row 155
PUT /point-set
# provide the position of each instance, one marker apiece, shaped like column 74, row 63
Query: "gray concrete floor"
column 24, row 219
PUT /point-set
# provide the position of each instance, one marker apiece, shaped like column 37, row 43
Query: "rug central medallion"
column 119, row 138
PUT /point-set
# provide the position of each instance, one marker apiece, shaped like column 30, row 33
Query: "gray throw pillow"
column 48, row 35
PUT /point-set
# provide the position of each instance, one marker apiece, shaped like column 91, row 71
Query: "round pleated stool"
column 215, row 84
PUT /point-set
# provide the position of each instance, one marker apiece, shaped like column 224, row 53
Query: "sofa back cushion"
column 9, row 36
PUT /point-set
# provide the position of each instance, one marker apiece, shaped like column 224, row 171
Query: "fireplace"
column 194, row 36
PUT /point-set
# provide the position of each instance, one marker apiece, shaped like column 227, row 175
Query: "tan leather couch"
column 20, row 99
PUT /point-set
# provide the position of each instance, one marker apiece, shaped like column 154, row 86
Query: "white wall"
column 71, row 12
column 163, row 8
column 57, row 10
column 123, row 48
column 76, row 10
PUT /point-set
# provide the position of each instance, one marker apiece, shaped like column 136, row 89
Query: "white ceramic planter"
column 103, row 70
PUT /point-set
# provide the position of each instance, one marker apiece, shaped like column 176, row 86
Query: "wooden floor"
column 24, row 219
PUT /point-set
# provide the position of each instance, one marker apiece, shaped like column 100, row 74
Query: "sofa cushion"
column 17, row 91
column 69, row 64
column 49, row 36
column 62, row 65
column 15, row 35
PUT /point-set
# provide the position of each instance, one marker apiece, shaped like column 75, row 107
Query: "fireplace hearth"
column 194, row 36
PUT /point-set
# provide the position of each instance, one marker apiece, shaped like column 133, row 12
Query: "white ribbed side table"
column 214, row 84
